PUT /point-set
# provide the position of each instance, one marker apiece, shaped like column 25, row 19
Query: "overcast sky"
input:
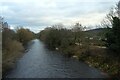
column 38, row 14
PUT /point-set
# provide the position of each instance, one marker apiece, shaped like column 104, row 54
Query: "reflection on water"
column 39, row 62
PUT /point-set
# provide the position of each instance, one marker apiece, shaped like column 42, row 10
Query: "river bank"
column 10, row 59
column 96, row 57
column 79, row 44
column 40, row 62
column 13, row 45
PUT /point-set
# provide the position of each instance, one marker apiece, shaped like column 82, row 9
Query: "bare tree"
column 58, row 26
column 118, row 7
column 114, row 12
column 78, row 33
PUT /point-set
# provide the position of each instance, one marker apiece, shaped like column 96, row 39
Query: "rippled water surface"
column 39, row 62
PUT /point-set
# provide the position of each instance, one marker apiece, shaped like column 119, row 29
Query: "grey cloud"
column 43, row 13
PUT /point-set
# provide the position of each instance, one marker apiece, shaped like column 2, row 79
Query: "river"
column 40, row 62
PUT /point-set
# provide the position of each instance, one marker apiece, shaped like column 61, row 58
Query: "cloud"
column 42, row 13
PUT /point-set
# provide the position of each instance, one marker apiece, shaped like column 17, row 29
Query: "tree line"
column 77, row 42
column 74, row 42
column 13, row 44
column 59, row 36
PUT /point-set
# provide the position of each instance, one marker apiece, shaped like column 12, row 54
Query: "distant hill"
column 96, row 32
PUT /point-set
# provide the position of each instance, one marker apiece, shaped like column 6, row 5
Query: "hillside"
column 99, row 32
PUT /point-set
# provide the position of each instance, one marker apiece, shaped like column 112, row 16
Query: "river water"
column 39, row 62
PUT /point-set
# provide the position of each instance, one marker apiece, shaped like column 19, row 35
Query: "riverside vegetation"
column 92, row 51
column 99, row 47
column 13, row 45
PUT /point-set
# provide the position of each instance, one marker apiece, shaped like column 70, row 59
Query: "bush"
column 10, row 54
column 113, row 36
column 24, row 35
column 12, row 45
